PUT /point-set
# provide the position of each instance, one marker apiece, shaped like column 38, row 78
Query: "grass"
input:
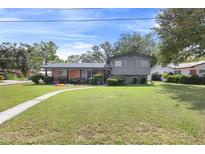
column 12, row 95
column 158, row 114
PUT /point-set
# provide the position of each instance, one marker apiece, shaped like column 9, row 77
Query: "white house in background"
column 158, row 68
column 192, row 68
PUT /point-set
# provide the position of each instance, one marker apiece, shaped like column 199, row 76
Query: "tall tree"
column 22, row 58
column 135, row 43
column 7, row 59
column 182, row 34
column 47, row 50
column 73, row 59
column 99, row 53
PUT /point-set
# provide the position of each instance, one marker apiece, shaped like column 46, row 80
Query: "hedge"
column 194, row 79
column 36, row 78
column 143, row 80
column 46, row 79
column 156, row 77
column 96, row 79
column 115, row 81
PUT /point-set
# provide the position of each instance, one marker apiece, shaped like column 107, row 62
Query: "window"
column 118, row 63
column 145, row 63
column 142, row 63
column 177, row 72
column 61, row 73
column 124, row 63
column 201, row 71
column 138, row 63
column 121, row 63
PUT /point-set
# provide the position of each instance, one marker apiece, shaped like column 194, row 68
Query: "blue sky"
column 72, row 37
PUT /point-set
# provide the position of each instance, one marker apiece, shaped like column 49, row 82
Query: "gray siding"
column 131, row 68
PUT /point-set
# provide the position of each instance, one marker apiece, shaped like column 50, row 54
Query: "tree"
column 135, row 43
column 99, row 54
column 22, row 58
column 47, row 50
column 57, row 60
column 73, row 59
column 182, row 34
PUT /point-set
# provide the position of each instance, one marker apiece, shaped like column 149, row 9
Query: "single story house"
column 158, row 68
column 130, row 66
column 191, row 68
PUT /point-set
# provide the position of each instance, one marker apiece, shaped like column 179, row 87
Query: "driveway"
column 10, row 82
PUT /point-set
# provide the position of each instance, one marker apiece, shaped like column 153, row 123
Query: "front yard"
column 11, row 95
column 157, row 114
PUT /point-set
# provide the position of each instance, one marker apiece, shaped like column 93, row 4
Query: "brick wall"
column 72, row 74
column 54, row 74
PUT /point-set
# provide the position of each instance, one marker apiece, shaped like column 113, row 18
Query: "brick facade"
column 73, row 74
column 54, row 74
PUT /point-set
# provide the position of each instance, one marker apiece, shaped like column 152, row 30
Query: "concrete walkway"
column 12, row 112
column 11, row 82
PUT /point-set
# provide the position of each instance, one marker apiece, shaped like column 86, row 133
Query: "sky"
column 72, row 37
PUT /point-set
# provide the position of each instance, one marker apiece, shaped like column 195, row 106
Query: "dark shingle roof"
column 76, row 65
column 133, row 54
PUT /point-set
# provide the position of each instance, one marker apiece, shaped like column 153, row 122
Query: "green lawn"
column 12, row 95
column 158, row 114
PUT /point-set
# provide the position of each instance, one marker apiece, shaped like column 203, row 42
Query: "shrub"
column 74, row 81
column 1, row 77
column 92, row 80
column 98, row 78
column 194, row 79
column 156, row 77
column 36, row 78
column 10, row 76
column 143, row 80
column 165, row 75
column 135, row 80
column 48, row 79
column 174, row 78
column 115, row 81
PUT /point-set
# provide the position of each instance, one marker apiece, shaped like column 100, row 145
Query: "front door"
column 192, row 72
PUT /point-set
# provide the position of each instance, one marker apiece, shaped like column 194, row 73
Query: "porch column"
column 67, row 78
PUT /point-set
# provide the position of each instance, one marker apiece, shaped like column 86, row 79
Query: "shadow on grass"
column 194, row 95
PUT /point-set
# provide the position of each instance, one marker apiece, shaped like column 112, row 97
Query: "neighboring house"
column 192, row 68
column 130, row 66
column 158, row 68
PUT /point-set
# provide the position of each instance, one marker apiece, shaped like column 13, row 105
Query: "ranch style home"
column 191, row 68
column 129, row 66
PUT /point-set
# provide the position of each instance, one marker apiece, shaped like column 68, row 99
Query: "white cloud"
column 10, row 19
column 139, row 26
column 73, row 48
column 75, row 37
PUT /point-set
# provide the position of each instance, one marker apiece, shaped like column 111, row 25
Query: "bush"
column 115, row 81
column 1, row 77
column 194, row 79
column 98, row 78
column 10, row 76
column 156, row 77
column 92, row 80
column 36, row 78
column 165, row 75
column 143, row 80
column 74, row 81
column 135, row 80
column 48, row 79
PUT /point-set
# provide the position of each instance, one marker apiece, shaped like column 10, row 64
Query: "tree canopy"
column 182, row 34
column 27, row 57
